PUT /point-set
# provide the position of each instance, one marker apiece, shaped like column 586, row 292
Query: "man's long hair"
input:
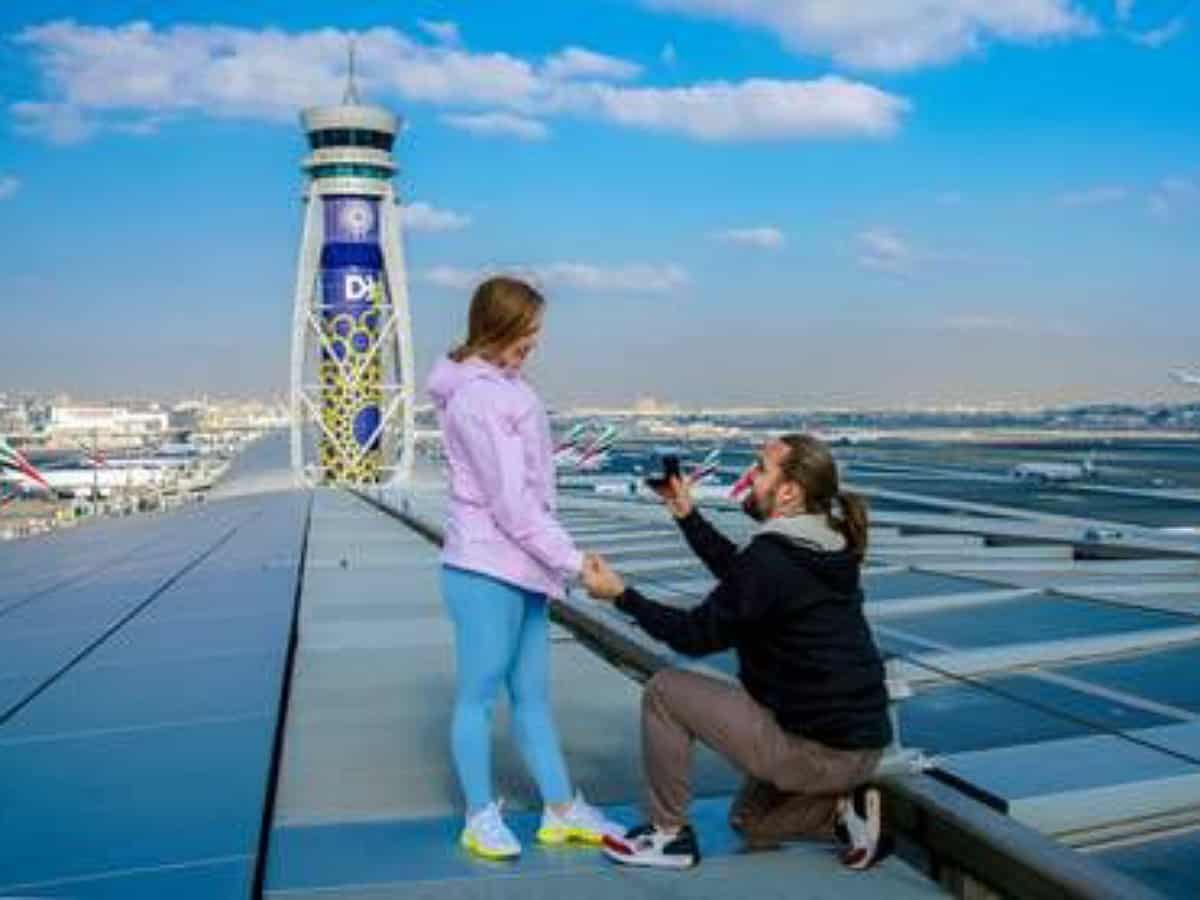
column 810, row 464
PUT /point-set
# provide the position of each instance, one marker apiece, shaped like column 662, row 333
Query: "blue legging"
column 501, row 637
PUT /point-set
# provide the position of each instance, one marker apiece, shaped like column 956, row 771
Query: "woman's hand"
column 601, row 581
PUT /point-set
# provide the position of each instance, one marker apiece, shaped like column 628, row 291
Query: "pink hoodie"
column 497, row 440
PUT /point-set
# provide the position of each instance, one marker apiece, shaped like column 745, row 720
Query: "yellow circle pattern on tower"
column 351, row 376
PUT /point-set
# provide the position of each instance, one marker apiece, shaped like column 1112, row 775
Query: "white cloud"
column 635, row 277
column 9, row 185
column 577, row 62
column 632, row 278
column 882, row 249
column 1160, row 37
column 897, row 34
column 669, row 55
column 1094, row 196
column 446, row 32
column 765, row 236
column 1124, row 9
column 134, row 77
column 455, row 278
column 501, row 124
column 423, row 217
column 57, row 123
column 226, row 72
column 1171, row 195
column 756, row 109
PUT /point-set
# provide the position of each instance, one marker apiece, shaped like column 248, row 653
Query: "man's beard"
column 752, row 508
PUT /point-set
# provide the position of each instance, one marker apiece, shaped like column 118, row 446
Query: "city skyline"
column 942, row 207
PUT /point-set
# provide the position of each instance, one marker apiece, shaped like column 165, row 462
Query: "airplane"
column 1185, row 377
column 94, row 477
column 84, row 482
column 566, row 452
column 1046, row 472
column 706, row 469
column 592, row 458
column 12, row 460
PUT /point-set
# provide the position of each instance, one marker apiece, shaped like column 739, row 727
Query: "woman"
column 504, row 554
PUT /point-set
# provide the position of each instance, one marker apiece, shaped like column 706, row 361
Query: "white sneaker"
column 486, row 835
column 860, row 828
column 647, row 846
column 579, row 822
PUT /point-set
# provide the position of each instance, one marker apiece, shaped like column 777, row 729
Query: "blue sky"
column 745, row 202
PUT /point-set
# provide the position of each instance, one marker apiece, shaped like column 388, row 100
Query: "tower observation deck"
column 352, row 368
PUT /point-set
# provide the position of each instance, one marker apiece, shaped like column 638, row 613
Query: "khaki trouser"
column 793, row 784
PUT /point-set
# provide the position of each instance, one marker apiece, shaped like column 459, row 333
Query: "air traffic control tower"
column 352, row 366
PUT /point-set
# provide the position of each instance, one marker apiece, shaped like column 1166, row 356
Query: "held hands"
column 601, row 581
column 676, row 495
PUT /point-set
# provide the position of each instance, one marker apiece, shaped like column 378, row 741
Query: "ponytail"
column 810, row 464
column 853, row 522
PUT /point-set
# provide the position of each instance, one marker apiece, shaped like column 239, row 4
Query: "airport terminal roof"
column 152, row 742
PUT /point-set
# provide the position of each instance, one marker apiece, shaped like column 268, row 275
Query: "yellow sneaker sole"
column 468, row 842
column 569, row 836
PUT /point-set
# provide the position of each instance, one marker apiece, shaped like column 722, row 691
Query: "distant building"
column 110, row 421
column 650, row 406
column 13, row 418
column 187, row 416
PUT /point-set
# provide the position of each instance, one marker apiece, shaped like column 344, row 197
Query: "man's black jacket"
column 793, row 612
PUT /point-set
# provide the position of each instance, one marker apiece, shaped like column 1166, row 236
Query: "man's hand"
column 676, row 495
column 601, row 581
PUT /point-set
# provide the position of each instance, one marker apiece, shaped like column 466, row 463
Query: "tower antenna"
column 351, row 96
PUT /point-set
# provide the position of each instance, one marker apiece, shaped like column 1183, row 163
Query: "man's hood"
column 811, row 529
column 823, row 549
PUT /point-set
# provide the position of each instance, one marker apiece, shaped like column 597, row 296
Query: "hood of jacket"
column 821, row 549
column 449, row 377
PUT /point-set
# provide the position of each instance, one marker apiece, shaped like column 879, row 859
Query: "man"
column 807, row 721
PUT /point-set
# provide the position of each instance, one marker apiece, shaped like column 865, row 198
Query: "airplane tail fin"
column 706, row 467
column 11, row 459
column 571, row 438
column 742, row 484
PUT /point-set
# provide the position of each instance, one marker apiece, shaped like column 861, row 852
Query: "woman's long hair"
column 503, row 310
column 810, row 464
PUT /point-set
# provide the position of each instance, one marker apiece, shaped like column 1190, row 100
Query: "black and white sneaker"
column 648, row 846
column 859, row 828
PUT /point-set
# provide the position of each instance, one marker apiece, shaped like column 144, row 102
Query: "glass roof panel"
column 963, row 717
column 1030, row 619
column 919, row 584
column 1166, row 676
